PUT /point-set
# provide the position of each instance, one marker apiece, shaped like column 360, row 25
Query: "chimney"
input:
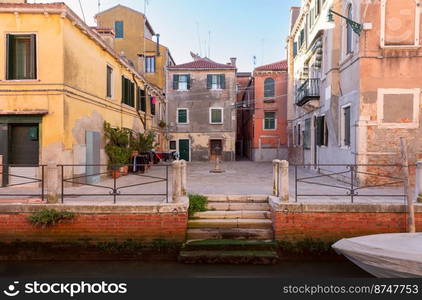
column 107, row 34
column 158, row 44
column 233, row 61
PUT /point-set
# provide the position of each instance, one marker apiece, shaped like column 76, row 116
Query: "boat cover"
column 389, row 255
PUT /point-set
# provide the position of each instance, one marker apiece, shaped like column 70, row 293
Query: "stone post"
column 52, row 183
column 276, row 177
column 284, row 178
column 177, row 180
column 418, row 182
column 184, row 177
column 1, row 170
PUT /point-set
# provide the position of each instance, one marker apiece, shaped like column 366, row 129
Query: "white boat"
column 390, row 255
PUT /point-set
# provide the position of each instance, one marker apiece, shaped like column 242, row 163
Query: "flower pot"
column 115, row 173
column 124, row 170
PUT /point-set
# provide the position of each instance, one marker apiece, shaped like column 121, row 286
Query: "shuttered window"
column 182, row 116
column 321, row 131
column 269, row 88
column 21, row 57
column 346, row 126
column 128, row 92
column 142, row 100
column 307, row 134
column 181, row 82
column 118, row 29
column 269, row 120
column 216, row 116
column 216, row 81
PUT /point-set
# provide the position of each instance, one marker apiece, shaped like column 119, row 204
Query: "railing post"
column 183, row 165
column 276, row 177
column 418, row 183
column 177, row 180
column 284, row 178
column 52, row 183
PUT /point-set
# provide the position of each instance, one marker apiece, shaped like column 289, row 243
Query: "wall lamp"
column 356, row 27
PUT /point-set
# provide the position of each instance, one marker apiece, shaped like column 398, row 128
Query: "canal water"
column 131, row 269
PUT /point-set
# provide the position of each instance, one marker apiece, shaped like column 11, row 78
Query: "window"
column 269, row 120
column 142, row 100
column 298, row 140
column 321, row 131
column 109, row 82
column 269, row 88
column 128, row 92
column 181, row 82
column 173, row 145
column 307, row 134
column 153, row 100
column 150, row 64
column 216, row 115
column 345, row 126
column 118, row 29
column 216, row 82
column 294, row 49
column 349, row 30
column 182, row 116
column 21, row 57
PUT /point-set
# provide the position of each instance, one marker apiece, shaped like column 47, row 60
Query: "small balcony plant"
column 162, row 124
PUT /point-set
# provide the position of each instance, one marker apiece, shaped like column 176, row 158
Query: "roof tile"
column 277, row 66
column 202, row 63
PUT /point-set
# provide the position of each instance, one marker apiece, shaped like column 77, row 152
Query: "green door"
column 184, row 149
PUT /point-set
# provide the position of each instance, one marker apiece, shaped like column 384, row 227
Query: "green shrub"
column 48, row 217
column 197, row 203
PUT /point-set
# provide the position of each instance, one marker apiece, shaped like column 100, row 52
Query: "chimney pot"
column 233, row 61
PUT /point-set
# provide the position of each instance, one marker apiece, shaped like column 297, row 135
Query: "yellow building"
column 59, row 81
column 135, row 39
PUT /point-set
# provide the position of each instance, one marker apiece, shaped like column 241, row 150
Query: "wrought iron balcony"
column 308, row 91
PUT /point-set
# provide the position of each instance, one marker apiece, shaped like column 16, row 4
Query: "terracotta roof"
column 277, row 66
column 203, row 63
column 33, row 5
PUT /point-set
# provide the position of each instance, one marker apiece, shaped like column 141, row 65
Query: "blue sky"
column 239, row 28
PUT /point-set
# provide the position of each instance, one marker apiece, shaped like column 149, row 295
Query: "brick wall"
column 294, row 222
column 96, row 224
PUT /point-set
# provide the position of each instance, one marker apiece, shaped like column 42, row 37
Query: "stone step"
column 235, row 206
column 229, row 257
column 230, row 223
column 229, row 233
column 238, row 198
column 233, row 214
column 230, row 245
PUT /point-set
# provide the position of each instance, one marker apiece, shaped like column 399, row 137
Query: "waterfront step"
column 236, row 206
column 225, row 244
column 230, row 223
column 229, row 233
column 233, row 214
column 229, row 257
column 238, row 198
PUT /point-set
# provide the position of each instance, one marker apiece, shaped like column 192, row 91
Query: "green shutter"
column 222, row 84
column 9, row 56
column 33, row 57
column 182, row 116
column 188, row 81
column 175, row 82
column 209, row 81
column 123, row 89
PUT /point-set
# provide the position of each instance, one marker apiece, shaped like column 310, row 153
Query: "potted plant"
column 117, row 149
column 143, row 143
column 162, row 124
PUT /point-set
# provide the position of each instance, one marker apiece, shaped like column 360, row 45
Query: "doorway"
column 216, row 148
column 184, row 150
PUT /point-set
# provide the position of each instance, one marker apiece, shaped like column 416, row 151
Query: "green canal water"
column 131, row 269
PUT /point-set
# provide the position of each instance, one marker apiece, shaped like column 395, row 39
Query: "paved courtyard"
column 246, row 178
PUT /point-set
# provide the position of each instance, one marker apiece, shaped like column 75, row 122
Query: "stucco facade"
column 368, row 93
column 67, row 99
column 197, row 101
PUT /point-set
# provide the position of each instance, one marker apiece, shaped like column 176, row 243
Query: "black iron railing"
column 348, row 179
column 309, row 90
column 6, row 175
column 114, row 189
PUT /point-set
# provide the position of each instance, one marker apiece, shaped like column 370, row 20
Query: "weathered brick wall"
column 97, row 227
column 166, row 221
column 332, row 222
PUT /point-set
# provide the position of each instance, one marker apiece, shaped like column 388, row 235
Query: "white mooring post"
column 177, row 180
column 183, row 177
column 284, row 178
column 276, row 177
column 52, row 183
column 407, row 186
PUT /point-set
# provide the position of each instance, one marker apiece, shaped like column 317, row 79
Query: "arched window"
column 269, row 88
column 349, row 30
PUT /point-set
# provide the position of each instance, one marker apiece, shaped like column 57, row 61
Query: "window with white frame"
column 216, row 81
column 216, row 115
column 150, row 64
column 270, row 120
column 181, row 82
column 182, row 116
column 346, row 125
column 398, row 107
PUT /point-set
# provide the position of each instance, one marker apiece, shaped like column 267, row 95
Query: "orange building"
column 269, row 136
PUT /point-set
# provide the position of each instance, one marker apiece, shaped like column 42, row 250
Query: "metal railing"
column 355, row 178
column 114, row 189
column 5, row 174
column 307, row 91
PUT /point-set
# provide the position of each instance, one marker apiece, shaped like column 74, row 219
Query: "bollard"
column 183, row 164
column 177, row 180
column 52, row 183
column 276, row 177
column 418, row 182
column 284, row 178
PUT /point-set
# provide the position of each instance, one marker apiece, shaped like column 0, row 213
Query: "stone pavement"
column 239, row 178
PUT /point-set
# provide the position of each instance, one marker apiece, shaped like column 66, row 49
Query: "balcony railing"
column 309, row 90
